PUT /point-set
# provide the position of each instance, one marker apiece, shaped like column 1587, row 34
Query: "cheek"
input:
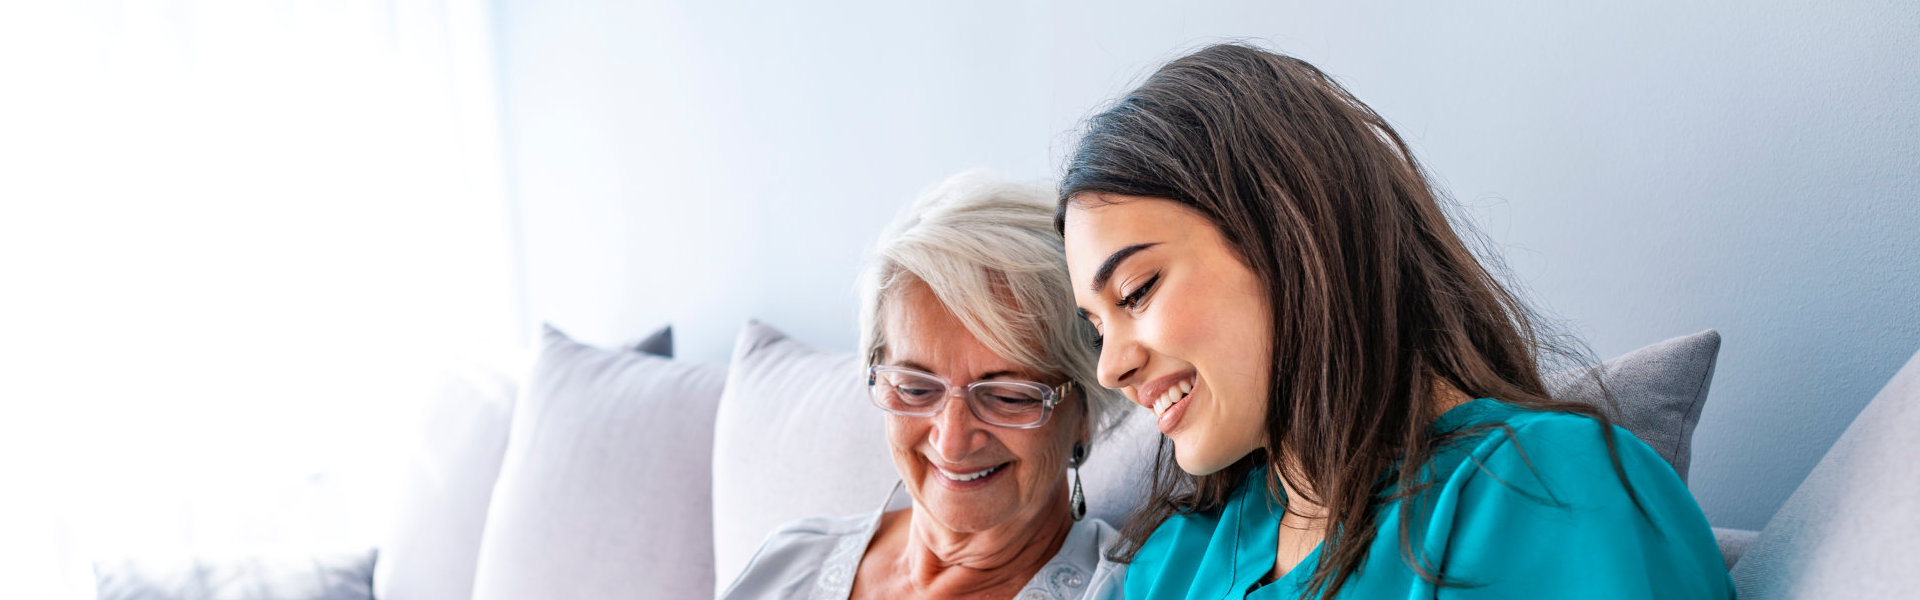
column 905, row 437
column 1042, row 452
column 1043, row 460
column 1248, row 358
column 1193, row 328
column 1223, row 332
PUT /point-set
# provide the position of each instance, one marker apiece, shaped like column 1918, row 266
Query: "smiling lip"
column 1171, row 418
column 1146, row 395
column 969, row 478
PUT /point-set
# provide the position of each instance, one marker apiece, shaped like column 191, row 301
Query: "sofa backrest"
column 796, row 437
column 1852, row 529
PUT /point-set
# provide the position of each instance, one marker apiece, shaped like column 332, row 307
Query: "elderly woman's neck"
column 943, row 563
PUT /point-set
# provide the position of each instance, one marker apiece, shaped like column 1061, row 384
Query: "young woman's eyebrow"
column 1105, row 272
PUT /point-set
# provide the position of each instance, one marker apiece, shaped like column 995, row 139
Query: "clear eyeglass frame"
column 1049, row 396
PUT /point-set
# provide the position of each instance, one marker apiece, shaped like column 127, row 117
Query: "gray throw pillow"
column 659, row 343
column 330, row 576
column 1852, row 529
column 604, row 491
column 1658, row 392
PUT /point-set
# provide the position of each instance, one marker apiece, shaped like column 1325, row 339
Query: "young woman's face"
column 1185, row 325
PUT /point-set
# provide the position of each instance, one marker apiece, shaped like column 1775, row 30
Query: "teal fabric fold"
column 1526, row 504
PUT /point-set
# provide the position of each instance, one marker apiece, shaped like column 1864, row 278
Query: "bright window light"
column 233, row 235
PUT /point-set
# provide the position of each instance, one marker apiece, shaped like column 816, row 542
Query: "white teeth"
column 967, row 477
column 1172, row 396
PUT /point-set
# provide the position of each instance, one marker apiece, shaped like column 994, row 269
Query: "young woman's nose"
column 1120, row 359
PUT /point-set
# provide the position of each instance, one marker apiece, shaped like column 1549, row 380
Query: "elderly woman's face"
column 969, row 476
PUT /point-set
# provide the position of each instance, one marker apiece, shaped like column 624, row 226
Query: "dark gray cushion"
column 659, row 343
column 1658, row 392
column 1852, row 529
column 334, row 576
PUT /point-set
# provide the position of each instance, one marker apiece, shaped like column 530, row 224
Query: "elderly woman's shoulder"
column 829, row 527
column 814, row 537
column 795, row 555
column 1083, row 568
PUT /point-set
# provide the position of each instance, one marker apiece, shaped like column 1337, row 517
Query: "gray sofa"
column 607, row 473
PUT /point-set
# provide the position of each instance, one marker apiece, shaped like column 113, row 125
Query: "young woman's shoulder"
column 1557, row 456
column 1198, row 551
column 1533, row 504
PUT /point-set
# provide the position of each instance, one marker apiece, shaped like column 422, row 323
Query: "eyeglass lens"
column 1000, row 403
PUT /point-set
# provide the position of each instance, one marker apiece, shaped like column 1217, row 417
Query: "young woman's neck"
column 1305, row 515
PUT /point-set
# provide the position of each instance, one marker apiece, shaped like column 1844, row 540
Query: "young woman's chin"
column 1198, row 459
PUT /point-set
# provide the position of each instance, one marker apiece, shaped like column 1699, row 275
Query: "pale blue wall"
column 1649, row 169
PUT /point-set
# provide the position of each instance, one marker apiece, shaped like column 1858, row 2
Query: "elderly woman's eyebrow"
column 992, row 375
column 911, row 365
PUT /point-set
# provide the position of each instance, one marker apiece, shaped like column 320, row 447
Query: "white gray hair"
column 987, row 249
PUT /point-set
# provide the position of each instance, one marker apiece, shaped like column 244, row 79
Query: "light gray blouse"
column 816, row 558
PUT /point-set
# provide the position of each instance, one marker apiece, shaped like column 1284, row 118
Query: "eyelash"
column 1131, row 302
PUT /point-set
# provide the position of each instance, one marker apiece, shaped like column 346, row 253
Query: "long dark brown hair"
column 1375, row 297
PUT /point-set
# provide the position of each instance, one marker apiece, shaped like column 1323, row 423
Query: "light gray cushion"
column 1733, row 543
column 327, row 576
column 1852, row 529
column 433, row 543
column 604, row 490
column 797, row 437
column 1658, row 392
column 1120, row 467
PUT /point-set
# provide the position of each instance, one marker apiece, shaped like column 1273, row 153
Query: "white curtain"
column 232, row 235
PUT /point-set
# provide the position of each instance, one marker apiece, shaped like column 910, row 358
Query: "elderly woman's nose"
column 956, row 432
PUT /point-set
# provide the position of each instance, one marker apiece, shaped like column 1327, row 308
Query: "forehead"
column 1097, row 225
column 923, row 333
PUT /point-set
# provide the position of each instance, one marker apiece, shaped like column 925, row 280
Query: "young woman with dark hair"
column 1354, row 403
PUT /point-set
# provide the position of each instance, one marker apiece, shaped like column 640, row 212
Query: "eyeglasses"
column 1012, row 404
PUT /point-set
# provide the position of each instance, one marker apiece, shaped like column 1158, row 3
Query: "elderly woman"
column 983, row 369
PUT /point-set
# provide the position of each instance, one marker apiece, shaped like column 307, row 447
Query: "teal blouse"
column 1562, row 528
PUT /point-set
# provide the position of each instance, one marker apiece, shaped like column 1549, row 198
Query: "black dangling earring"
column 1079, row 499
